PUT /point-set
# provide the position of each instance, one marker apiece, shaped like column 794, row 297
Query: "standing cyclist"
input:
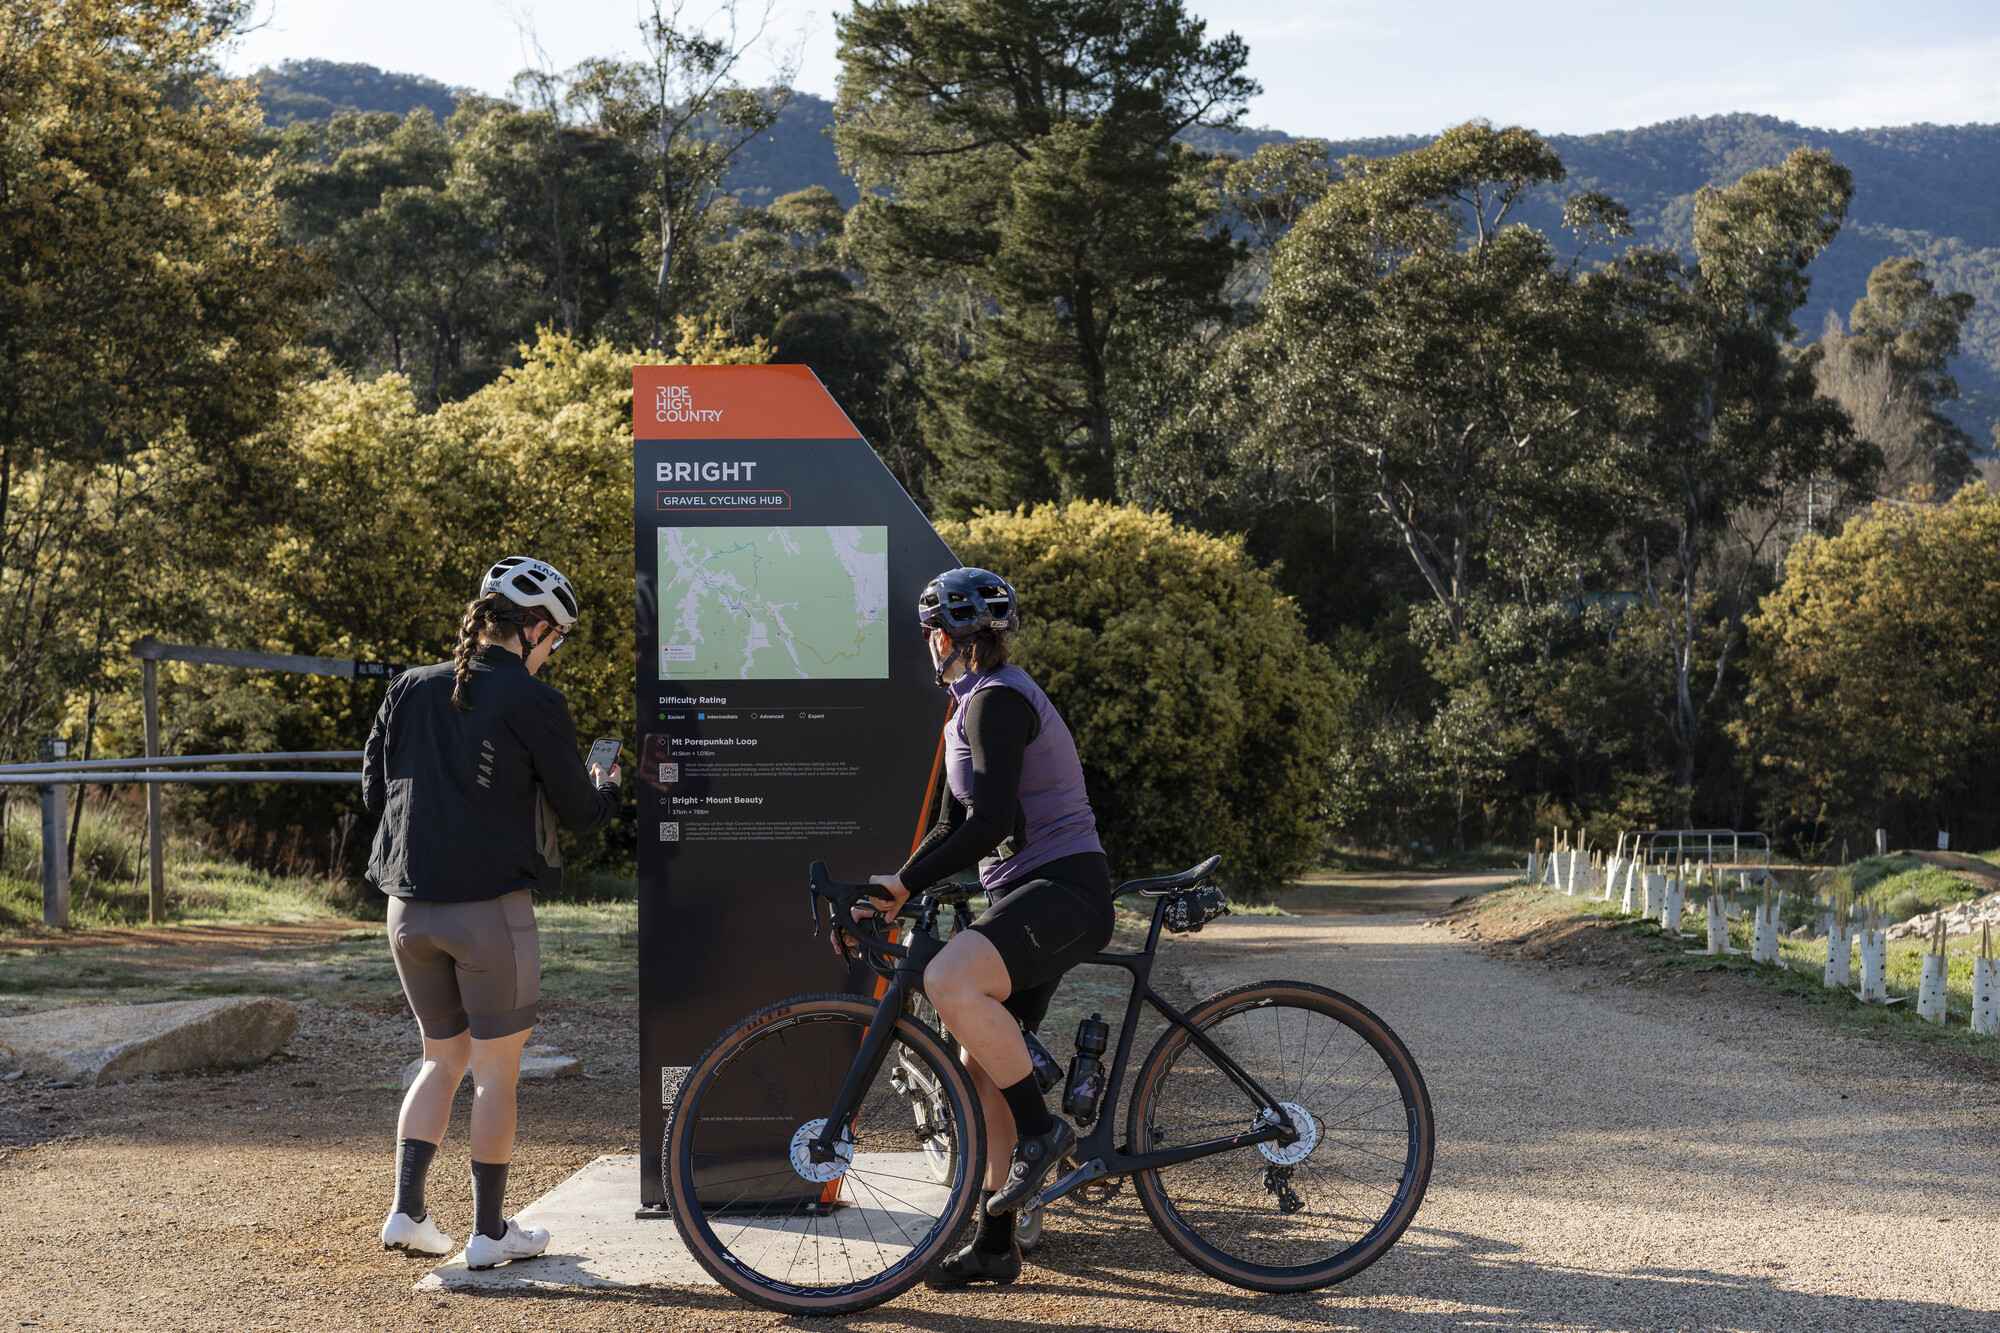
column 471, row 764
column 1016, row 808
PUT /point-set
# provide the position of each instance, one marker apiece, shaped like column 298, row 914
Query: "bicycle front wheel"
column 802, row 1237
column 1285, row 1217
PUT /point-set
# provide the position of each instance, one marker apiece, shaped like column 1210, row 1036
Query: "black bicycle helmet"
column 961, row 602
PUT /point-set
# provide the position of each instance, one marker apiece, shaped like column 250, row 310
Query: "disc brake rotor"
column 1290, row 1154
column 819, row 1172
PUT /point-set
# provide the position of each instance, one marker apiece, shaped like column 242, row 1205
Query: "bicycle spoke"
column 784, row 1232
column 1299, row 1209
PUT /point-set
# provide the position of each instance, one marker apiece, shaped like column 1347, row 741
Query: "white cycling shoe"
column 403, row 1232
column 519, row 1242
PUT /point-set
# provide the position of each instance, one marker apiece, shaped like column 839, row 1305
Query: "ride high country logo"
column 674, row 402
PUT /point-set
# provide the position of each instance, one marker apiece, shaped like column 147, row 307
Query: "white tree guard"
column 1930, row 989
column 1673, row 903
column 1534, row 874
column 1839, row 951
column 1613, row 870
column 1718, row 925
column 1655, row 887
column 1569, row 874
column 1986, row 996
column 1634, row 872
column 1874, row 966
column 1764, row 934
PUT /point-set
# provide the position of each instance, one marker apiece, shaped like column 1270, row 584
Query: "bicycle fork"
column 874, row 1047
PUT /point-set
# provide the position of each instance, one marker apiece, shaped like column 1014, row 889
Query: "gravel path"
column 1608, row 1160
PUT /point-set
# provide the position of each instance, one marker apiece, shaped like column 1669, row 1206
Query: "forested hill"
column 322, row 89
column 1931, row 191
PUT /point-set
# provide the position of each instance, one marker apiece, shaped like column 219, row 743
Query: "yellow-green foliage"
column 1200, row 708
column 1872, row 691
column 392, row 517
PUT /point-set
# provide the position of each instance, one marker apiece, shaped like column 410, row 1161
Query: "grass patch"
column 110, row 883
column 1541, row 923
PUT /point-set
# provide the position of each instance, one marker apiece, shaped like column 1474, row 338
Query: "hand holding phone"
column 603, row 760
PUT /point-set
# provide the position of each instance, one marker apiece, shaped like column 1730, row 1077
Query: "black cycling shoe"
column 1033, row 1157
column 973, row 1264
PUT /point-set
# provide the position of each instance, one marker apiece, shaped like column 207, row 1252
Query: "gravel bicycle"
column 826, row 1150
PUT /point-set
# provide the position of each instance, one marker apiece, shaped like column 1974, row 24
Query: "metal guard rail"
column 89, row 771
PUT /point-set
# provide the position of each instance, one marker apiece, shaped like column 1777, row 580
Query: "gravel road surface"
column 1609, row 1159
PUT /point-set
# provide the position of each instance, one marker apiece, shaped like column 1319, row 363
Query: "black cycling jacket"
column 469, row 801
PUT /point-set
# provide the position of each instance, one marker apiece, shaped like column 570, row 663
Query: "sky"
column 1339, row 69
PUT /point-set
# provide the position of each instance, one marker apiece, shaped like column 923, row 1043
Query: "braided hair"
column 489, row 619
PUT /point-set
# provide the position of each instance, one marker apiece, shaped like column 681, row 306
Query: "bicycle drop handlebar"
column 843, row 898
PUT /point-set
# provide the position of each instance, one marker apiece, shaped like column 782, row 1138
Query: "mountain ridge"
column 1918, row 188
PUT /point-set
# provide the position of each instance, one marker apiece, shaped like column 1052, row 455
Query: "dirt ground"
column 1709, row 1173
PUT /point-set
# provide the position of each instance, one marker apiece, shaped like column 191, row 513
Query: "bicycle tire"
column 737, row 1189
column 1371, row 1130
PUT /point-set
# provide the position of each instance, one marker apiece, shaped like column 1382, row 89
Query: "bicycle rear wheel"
column 1285, row 1217
column 821, row 1238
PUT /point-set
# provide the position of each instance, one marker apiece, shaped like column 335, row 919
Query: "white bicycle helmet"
column 528, row 583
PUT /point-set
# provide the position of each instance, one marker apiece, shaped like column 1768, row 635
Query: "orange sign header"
column 734, row 403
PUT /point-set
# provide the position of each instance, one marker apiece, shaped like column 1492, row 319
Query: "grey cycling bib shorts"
column 476, row 965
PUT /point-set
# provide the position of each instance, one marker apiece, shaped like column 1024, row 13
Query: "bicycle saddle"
column 1154, row 888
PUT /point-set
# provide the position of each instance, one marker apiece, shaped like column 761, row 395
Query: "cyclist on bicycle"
column 1015, row 807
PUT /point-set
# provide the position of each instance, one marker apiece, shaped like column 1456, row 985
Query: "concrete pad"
column 594, row 1241
column 106, row 1043
column 536, row 1062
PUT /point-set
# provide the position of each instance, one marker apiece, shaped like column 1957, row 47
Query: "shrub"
column 392, row 518
column 1200, row 709
column 1872, row 697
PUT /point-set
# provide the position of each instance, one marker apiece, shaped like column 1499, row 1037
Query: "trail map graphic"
column 768, row 603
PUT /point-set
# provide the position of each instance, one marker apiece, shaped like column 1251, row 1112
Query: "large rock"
column 119, row 1041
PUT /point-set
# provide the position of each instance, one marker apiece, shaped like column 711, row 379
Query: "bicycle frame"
column 1099, row 1155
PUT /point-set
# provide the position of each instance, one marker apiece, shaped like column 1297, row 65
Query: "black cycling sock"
column 996, row 1230
column 1031, row 1113
column 489, row 1191
column 413, row 1163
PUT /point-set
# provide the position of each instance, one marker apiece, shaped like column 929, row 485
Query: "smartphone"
column 603, row 753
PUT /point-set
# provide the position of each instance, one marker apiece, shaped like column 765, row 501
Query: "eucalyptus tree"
column 1019, row 163
column 686, row 111
column 1723, row 417
column 1418, row 350
column 149, row 323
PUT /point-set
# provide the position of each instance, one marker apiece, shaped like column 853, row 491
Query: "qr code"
column 670, row 832
column 670, row 772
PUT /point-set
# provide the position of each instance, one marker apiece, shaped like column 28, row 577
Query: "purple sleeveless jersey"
column 1052, row 797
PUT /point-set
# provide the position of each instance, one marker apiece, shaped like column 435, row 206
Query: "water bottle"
column 1086, row 1070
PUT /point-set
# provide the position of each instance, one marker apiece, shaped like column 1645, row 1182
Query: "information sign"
column 786, row 707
